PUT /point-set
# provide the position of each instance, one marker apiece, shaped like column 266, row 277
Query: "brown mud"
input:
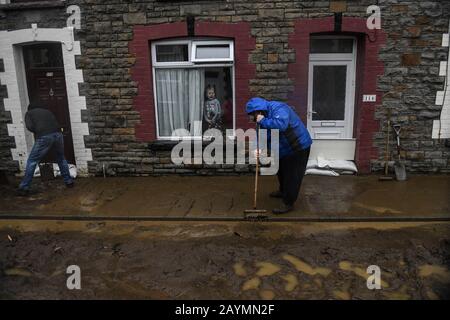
column 223, row 260
column 187, row 196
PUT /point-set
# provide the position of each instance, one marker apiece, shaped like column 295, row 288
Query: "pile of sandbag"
column 332, row 168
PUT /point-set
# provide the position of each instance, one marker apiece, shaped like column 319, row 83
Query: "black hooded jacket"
column 41, row 121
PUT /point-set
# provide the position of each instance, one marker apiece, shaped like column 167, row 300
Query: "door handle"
column 51, row 93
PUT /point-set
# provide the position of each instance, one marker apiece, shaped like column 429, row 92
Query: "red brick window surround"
column 141, row 72
column 368, row 70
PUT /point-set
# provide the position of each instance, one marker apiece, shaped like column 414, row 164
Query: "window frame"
column 196, row 43
column 207, row 63
column 155, row 63
column 336, row 56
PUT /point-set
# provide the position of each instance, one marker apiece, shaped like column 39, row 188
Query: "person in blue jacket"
column 294, row 146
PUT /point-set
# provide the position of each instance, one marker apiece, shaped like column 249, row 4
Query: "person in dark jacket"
column 47, row 134
column 294, row 146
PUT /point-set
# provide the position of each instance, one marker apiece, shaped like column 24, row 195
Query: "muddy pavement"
column 227, row 197
column 239, row 260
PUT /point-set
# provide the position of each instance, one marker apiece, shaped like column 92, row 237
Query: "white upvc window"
column 212, row 51
column 193, row 84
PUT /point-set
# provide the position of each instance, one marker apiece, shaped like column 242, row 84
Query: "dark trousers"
column 40, row 148
column 290, row 175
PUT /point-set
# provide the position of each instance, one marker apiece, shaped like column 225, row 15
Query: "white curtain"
column 179, row 94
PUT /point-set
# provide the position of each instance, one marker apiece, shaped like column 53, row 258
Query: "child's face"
column 210, row 94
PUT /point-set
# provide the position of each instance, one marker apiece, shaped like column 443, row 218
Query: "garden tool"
column 386, row 176
column 256, row 213
column 400, row 170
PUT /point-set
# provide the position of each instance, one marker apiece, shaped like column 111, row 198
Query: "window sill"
column 32, row 5
column 162, row 145
column 167, row 145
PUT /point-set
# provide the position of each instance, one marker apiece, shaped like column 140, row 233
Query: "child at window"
column 213, row 110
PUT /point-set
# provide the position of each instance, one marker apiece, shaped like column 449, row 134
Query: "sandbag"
column 321, row 172
column 335, row 165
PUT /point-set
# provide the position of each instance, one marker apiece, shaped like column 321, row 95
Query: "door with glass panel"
column 331, row 91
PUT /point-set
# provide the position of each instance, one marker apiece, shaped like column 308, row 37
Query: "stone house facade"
column 122, row 74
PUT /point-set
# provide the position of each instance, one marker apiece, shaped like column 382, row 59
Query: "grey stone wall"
column 45, row 17
column 411, row 56
column 6, row 142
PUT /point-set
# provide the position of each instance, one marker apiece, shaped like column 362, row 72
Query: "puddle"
column 239, row 269
column 305, row 267
column 266, row 269
column 251, row 284
column 267, row 294
column 440, row 272
column 347, row 266
column 292, row 282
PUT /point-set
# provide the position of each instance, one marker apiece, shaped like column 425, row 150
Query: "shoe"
column 276, row 194
column 70, row 185
column 283, row 209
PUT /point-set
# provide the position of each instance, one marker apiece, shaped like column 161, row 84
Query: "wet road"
column 227, row 197
column 224, row 260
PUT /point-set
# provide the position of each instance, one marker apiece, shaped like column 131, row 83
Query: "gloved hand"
column 259, row 117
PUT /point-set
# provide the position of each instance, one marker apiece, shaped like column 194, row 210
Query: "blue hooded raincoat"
column 293, row 134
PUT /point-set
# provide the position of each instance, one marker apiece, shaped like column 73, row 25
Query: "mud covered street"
column 233, row 260
column 227, row 197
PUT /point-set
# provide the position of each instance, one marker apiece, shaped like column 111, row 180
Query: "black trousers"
column 290, row 175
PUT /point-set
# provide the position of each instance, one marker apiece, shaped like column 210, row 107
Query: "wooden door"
column 46, row 82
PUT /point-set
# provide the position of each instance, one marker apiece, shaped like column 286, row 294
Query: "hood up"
column 256, row 104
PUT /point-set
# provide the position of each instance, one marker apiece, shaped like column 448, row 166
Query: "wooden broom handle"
column 257, row 166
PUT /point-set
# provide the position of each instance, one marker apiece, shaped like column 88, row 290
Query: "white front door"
column 331, row 95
